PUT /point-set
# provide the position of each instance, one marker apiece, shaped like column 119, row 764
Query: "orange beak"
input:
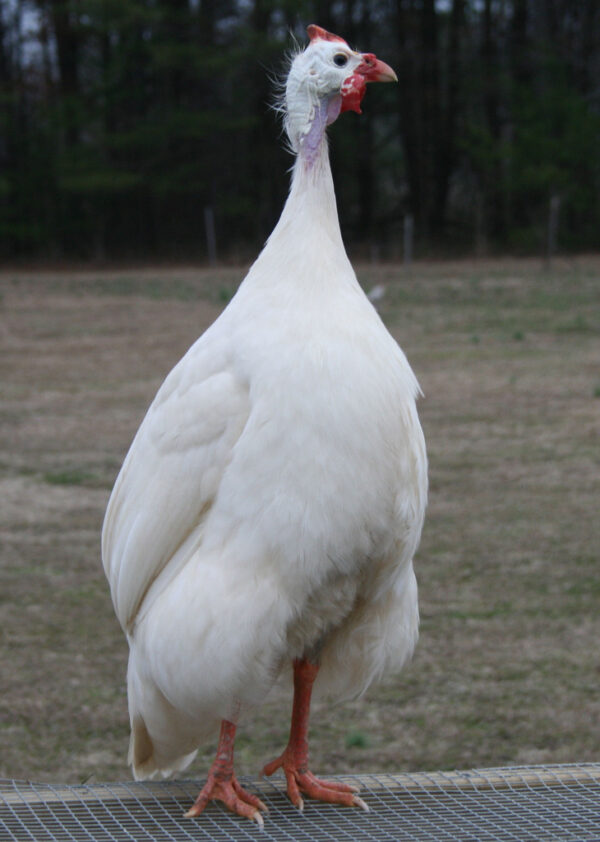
column 374, row 70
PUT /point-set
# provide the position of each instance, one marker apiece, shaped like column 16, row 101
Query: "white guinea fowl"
column 271, row 502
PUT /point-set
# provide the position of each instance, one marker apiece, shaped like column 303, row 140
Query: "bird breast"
column 326, row 473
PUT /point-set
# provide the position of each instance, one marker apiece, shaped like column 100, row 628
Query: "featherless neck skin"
column 312, row 139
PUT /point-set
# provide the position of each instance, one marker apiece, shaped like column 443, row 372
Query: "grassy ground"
column 507, row 668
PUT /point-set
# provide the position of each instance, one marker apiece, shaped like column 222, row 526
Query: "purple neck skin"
column 325, row 113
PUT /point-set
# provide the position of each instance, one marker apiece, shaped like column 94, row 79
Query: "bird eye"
column 340, row 59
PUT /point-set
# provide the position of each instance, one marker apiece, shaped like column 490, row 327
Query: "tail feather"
column 142, row 756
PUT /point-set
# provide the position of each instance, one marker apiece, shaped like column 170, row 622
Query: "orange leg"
column 222, row 784
column 294, row 760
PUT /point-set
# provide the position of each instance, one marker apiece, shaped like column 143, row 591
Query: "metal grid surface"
column 522, row 804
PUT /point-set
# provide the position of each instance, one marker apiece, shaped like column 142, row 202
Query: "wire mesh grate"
column 521, row 804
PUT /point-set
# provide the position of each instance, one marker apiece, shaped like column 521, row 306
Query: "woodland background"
column 126, row 124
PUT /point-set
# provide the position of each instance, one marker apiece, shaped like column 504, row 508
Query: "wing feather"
column 171, row 474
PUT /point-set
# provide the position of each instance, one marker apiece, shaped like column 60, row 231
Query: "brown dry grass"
column 507, row 668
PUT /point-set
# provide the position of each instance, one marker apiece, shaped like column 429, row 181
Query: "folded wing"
column 171, row 474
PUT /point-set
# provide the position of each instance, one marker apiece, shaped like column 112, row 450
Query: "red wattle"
column 353, row 90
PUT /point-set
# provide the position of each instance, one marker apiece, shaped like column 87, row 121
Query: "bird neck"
column 311, row 209
column 305, row 249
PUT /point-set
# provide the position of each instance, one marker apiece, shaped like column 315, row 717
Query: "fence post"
column 552, row 234
column 211, row 238
column 408, row 238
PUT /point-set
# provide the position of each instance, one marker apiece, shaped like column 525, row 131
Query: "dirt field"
column 507, row 668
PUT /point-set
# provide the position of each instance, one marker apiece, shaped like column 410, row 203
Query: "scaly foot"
column 233, row 795
column 301, row 780
column 222, row 784
column 294, row 760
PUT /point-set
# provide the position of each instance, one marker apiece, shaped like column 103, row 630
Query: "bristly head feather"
column 278, row 79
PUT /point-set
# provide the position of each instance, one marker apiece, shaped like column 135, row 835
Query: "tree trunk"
column 64, row 17
column 447, row 143
column 409, row 97
column 493, row 181
column 420, row 108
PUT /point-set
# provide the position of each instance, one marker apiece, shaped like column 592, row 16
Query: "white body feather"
column 272, row 499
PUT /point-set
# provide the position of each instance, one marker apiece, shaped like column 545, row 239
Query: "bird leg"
column 294, row 760
column 222, row 784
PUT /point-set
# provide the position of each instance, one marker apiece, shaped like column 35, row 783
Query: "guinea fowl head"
column 325, row 79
